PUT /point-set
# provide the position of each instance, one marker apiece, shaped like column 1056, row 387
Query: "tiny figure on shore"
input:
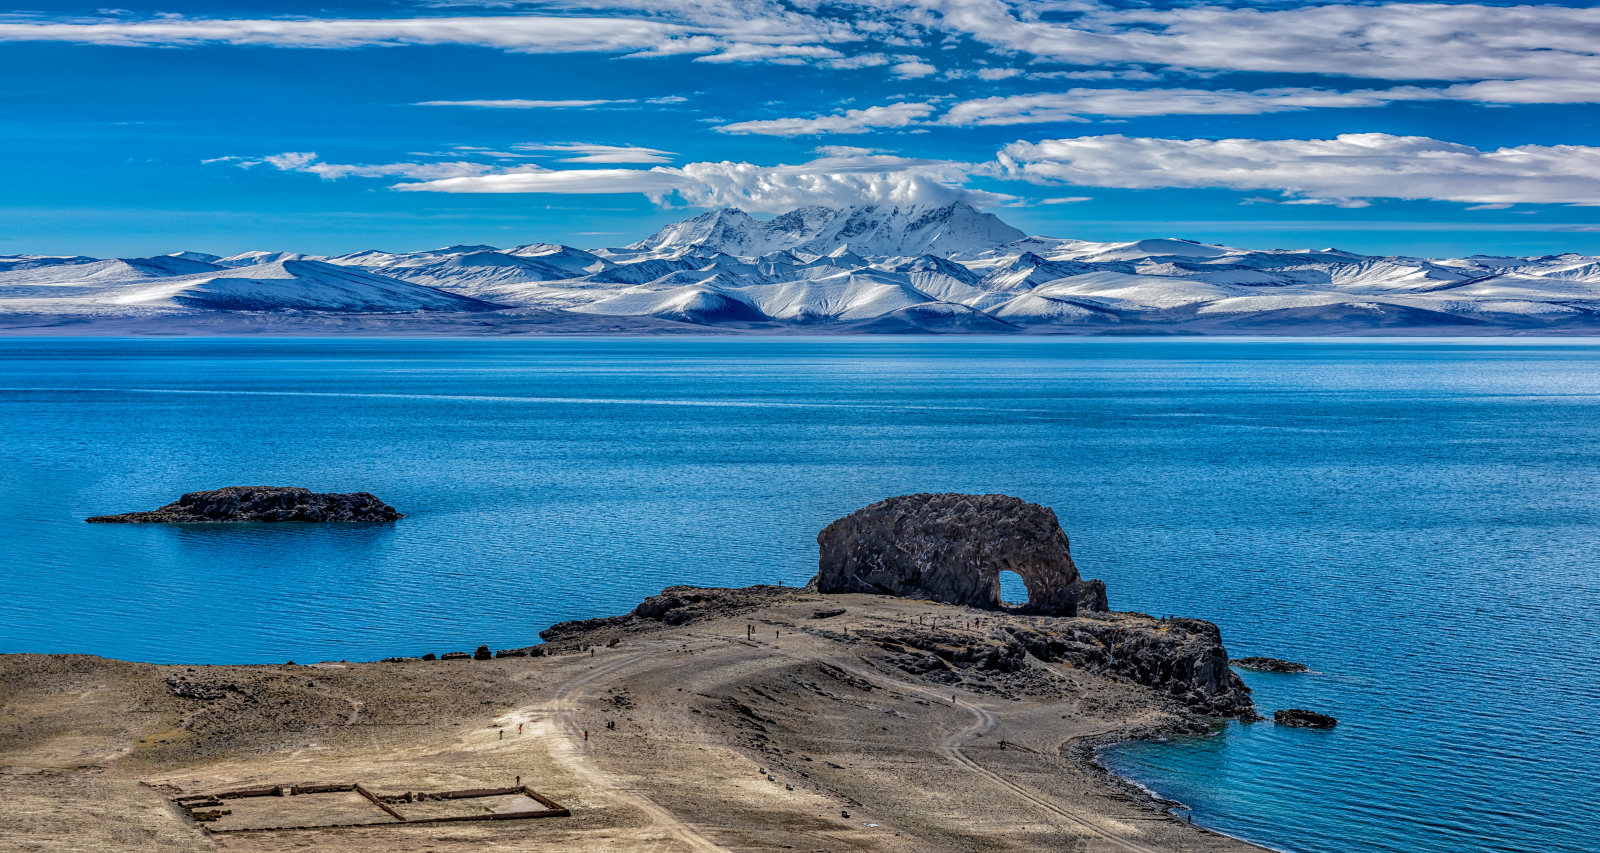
column 502, row 734
column 519, row 781
column 591, row 651
column 585, row 734
column 519, row 731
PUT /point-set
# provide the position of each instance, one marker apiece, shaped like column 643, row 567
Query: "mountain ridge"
column 868, row 268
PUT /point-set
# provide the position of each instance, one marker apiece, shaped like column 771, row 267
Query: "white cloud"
column 1397, row 41
column 1349, row 167
column 306, row 161
column 516, row 33
column 837, row 180
column 912, row 69
column 849, row 121
column 589, row 153
column 1074, row 105
column 522, row 104
column 776, row 54
column 841, row 176
column 1071, row 199
column 1498, row 54
column 997, row 73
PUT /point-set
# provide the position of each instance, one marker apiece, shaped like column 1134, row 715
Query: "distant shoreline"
column 490, row 327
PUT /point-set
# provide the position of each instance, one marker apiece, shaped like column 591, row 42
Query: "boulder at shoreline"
column 1301, row 718
column 260, row 504
column 1270, row 665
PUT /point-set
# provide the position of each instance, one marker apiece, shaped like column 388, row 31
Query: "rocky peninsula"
column 764, row 718
column 260, row 504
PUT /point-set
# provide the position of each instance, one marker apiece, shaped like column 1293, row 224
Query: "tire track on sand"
column 984, row 723
column 563, row 706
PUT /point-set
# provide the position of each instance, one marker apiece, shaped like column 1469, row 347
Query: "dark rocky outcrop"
column 675, row 605
column 952, row 548
column 1301, row 718
column 1183, row 658
column 1270, row 665
column 260, row 504
column 483, row 653
column 204, row 690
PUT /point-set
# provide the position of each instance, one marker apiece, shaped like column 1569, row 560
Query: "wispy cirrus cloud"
column 308, row 162
column 848, row 121
column 1087, row 104
column 583, row 152
column 524, row 104
column 566, row 104
column 1557, row 46
column 1346, row 168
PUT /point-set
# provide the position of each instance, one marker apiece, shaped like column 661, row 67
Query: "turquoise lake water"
column 1419, row 521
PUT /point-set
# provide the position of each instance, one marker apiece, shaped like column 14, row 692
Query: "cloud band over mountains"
column 1349, row 169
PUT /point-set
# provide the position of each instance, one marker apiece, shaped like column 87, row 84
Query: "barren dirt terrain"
column 759, row 720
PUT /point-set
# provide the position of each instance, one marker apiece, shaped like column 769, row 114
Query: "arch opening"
column 1014, row 592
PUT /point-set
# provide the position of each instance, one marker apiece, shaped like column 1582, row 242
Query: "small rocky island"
column 260, row 504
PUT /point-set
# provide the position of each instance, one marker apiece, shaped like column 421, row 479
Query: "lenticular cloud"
column 839, row 181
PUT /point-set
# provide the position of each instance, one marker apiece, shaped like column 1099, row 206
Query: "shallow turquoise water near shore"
column 1417, row 520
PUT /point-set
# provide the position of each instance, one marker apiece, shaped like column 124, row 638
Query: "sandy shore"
column 811, row 734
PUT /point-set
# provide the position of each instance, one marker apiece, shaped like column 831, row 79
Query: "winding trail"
column 985, row 723
column 562, row 709
column 565, row 705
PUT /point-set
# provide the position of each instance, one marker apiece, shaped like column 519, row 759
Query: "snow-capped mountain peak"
column 874, row 231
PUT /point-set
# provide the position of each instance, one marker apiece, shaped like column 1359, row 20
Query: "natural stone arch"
column 952, row 548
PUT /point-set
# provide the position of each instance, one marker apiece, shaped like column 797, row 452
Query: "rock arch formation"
column 952, row 548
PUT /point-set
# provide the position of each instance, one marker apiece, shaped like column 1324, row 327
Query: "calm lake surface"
column 1419, row 521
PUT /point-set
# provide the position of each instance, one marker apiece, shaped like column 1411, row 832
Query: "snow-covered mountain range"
column 859, row 269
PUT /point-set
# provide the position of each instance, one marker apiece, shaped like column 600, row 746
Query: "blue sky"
column 1430, row 129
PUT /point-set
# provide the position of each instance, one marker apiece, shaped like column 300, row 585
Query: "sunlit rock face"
column 952, row 548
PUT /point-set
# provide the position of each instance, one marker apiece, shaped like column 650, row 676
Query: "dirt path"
column 570, row 746
column 985, row 722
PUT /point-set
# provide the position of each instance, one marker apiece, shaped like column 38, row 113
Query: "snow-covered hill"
column 877, row 269
column 116, row 287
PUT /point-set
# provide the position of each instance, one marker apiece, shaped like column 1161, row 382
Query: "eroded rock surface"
column 260, row 504
column 1182, row 659
column 952, row 548
column 1301, row 718
column 1262, row 664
